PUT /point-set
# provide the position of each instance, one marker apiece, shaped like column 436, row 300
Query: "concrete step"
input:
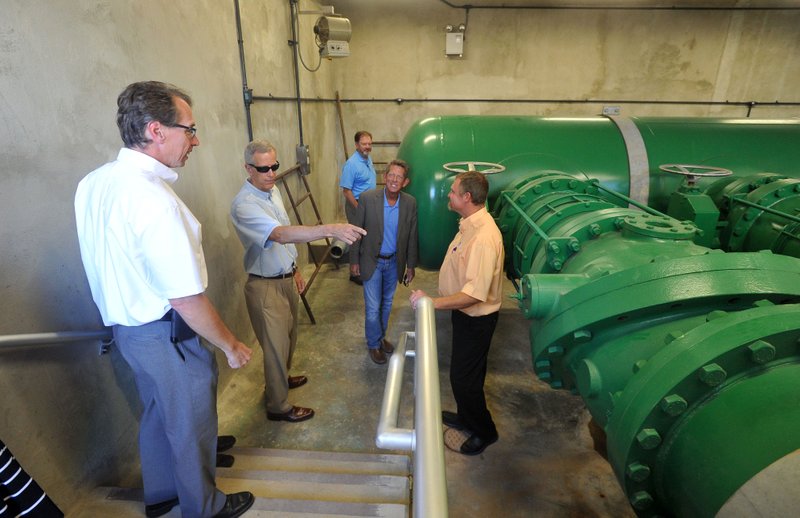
column 290, row 483
column 319, row 461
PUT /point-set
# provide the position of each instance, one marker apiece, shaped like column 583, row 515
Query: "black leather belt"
column 385, row 256
column 167, row 316
column 277, row 277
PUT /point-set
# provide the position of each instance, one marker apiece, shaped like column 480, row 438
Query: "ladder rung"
column 302, row 198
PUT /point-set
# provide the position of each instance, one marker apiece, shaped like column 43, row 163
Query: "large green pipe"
column 688, row 357
column 621, row 153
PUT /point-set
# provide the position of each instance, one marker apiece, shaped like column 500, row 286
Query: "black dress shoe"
column 356, row 279
column 297, row 381
column 236, row 504
column 387, row 346
column 160, row 509
column 295, row 415
column 451, row 420
column 475, row 444
column 225, row 442
column 224, row 460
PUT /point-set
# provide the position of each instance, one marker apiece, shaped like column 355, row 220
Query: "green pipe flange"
column 721, row 190
column 677, row 381
column 742, row 218
column 647, row 292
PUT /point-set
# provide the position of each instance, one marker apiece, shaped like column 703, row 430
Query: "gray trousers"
column 178, row 426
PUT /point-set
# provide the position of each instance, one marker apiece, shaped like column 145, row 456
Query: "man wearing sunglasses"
column 274, row 281
column 358, row 176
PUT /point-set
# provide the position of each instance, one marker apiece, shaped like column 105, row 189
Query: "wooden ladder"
column 295, row 204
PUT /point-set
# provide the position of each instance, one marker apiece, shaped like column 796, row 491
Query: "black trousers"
column 472, row 337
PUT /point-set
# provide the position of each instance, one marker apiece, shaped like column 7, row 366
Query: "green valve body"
column 680, row 331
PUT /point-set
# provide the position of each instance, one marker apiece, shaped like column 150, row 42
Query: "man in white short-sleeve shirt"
column 142, row 251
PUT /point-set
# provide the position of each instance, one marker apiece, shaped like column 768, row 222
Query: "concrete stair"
column 290, row 483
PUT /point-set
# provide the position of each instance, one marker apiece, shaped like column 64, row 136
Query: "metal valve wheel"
column 485, row 167
column 693, row 172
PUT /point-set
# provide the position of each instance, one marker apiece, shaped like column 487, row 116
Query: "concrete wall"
column 69, row 414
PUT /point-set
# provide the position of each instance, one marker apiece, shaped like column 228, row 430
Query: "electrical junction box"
column 454, row 44
column 335, row 49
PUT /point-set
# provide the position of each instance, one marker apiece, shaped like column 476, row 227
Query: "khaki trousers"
column 272, row 306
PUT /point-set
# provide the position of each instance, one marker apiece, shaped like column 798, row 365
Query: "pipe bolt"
column 641, row 500
column 718, row 313
column 575, row 246
column 673, row 405
column 556, row 264
column 582, row 336
column 594, row 230
column 543, row 365
column 554, row 247
column 637, row 471
column 761, row 352
column 555, row 350
column 712, row 374
column 648, row 438
column 672, row 336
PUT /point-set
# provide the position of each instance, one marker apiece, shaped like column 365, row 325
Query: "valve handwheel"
column 692, row 172
column 481, row 167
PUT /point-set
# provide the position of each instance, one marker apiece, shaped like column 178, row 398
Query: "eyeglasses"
column 266, row 168
column 190, row 131
column 395, row 177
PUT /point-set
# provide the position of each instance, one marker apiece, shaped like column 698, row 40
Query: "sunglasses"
column 266, row 168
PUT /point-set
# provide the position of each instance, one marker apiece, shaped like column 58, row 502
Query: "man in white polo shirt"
column 142, row 252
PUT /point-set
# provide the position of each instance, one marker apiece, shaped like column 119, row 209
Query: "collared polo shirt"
column 140, row 245
column 473, row 264
column 358, row 174
column 255, row 215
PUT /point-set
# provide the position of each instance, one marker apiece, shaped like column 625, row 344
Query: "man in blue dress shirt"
column 358, row 176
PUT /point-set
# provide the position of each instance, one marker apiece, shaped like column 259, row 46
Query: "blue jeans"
column 378, row 294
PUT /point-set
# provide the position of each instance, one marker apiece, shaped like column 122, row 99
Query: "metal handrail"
column 426, row 439
column 59, row 337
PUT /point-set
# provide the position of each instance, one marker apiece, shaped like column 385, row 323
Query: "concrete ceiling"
column 344, row 5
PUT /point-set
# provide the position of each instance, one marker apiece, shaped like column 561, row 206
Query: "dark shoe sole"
column 485, row 445
column 225, row 442
column 224, row 460
column 160, row 509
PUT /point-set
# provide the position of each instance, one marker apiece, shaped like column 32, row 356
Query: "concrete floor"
column 542, row 466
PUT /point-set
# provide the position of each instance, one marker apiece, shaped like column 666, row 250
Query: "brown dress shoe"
column 377, row 356
column 295, row 415
column 387, row 346
column 297, row 381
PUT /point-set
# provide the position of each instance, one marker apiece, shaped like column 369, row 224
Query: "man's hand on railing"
column 415, row 296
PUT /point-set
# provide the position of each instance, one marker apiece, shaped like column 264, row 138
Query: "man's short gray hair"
column 257, row 146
